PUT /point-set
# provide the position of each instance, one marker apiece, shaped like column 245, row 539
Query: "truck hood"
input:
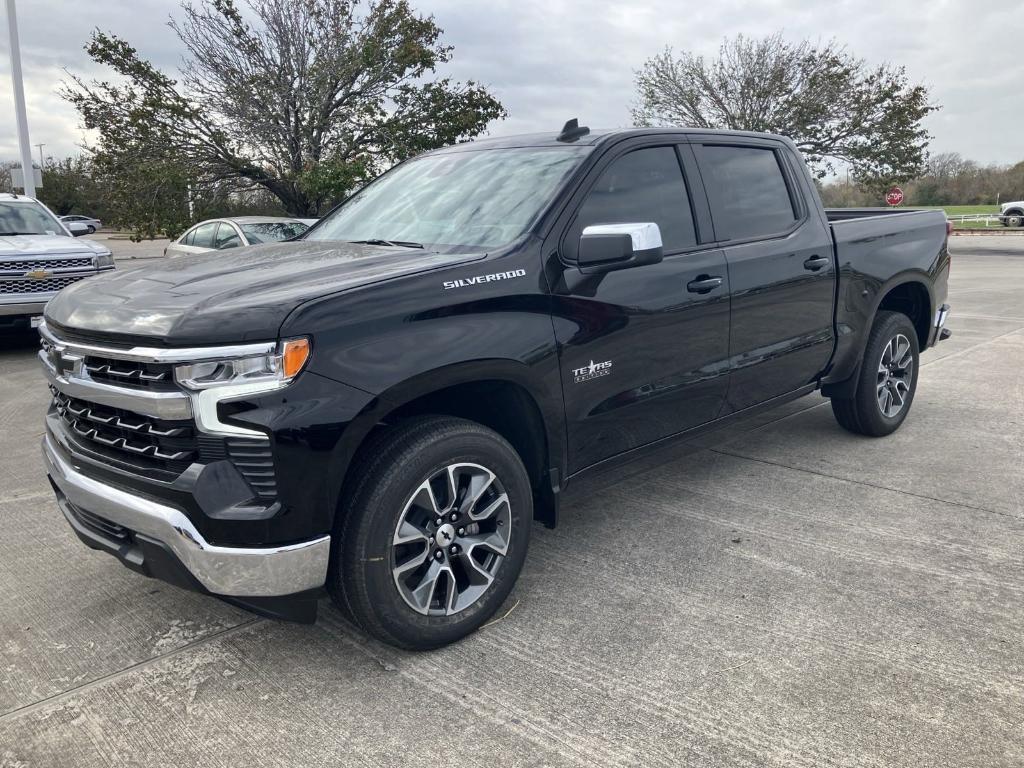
column 229, row 296
column 47, row 245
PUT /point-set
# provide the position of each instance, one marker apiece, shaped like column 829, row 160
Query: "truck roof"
column 8, row 197
column 594, row 137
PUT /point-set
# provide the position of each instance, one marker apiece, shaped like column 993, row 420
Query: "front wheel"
column 431, row 539
column 887, row 379
column 1014, row 220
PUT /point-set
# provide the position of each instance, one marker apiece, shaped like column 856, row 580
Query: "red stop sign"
column 894, row 196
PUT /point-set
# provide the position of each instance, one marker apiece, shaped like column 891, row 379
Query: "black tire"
column 1014, row 220
column 864, row 413
column 91, row 229
column 390, row 477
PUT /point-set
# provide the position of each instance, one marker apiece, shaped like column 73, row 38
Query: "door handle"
column 816, row 262
column 703, row 284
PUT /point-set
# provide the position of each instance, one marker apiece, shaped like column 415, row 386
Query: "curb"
column 990, row 232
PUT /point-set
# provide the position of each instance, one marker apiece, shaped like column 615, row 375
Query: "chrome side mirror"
column 609, row 247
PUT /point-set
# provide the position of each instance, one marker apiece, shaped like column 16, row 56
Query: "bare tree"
column 307, row 100
column 833, row 105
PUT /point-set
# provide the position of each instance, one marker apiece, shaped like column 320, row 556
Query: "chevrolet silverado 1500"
column 39, row 256
column 380, row 408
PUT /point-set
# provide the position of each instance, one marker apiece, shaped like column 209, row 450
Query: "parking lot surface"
column 778, row 593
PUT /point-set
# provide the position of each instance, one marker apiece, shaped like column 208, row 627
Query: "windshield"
column 470, row 199
column 272, row 231
column 28, row 218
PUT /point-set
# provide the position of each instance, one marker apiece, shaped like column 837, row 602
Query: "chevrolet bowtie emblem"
column 39, row 274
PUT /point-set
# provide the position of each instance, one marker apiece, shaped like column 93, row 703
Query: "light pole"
column 19, row 102
column 40, row 155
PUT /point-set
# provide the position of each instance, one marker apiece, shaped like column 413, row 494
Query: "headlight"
column 104, row 260
column 274, row 369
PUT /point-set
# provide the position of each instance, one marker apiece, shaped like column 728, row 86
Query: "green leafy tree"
column 68, row 187
column 306, row 101
column 835, row 107
column 147, row 195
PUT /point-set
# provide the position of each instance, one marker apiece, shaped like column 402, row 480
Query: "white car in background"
column 1012, row 214
column 222, row 234
column 90, row 223
column 39, row 255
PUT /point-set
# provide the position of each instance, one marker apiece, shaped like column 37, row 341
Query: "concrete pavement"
column 125, row 250
column 775, row 593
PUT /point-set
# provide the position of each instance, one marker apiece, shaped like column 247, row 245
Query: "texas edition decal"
column 592, row 371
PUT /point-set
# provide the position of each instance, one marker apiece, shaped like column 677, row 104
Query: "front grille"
column 124, row 373
column 134, row 439
column 39, row 286
column 24, row 265
column 162, row 449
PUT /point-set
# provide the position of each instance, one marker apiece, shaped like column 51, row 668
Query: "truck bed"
column 845, row 214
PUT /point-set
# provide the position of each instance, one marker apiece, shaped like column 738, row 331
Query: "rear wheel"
column 887, row 379
column 432, row 538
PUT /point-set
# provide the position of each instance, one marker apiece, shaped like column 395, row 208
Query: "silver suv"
column 39, row 255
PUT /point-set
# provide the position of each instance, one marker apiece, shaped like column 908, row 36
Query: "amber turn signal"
column 294, row 356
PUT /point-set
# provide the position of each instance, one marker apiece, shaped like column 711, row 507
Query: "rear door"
column 199, row 239
column 228, row 236
column 781, row 271
column 643, row 350
column 204, row 238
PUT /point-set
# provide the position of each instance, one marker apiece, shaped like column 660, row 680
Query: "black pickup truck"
column 381, row 407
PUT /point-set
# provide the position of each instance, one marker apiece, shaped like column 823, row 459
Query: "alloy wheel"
column 451, row 539
column 895, row 374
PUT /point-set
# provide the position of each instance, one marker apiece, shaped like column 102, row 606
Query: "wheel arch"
column 503, row 395
column 909, row 293
column 913, row 298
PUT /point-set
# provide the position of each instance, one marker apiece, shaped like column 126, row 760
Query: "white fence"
column 990, row 219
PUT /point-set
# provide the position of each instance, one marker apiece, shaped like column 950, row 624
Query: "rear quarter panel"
column 874, row 255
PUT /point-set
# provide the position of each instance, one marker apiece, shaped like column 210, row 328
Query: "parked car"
column 222, row 234
column 1012, row 214
column 39, row 256
column 90, row 223
column 381, row 407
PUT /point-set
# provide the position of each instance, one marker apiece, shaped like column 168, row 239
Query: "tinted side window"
column 226, row 237
column 189, row 237
column 644, row 185
column 748, row 192
column 203, row 236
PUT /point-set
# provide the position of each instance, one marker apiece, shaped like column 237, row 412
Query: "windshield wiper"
column 392, row 243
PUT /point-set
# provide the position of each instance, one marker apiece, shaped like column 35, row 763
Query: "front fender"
column 546, row 398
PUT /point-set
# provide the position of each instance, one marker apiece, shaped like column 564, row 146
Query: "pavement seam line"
column 827, row 400
column 861, row 482
column 971, row 348
column 96, row 682
column 27, row 497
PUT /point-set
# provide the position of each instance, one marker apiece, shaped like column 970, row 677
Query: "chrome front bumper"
column 20, row 308
column 227, row 571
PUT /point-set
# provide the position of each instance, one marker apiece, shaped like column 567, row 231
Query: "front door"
column 643, row 351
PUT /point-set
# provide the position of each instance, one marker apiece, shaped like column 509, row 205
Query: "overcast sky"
column 549, row 60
